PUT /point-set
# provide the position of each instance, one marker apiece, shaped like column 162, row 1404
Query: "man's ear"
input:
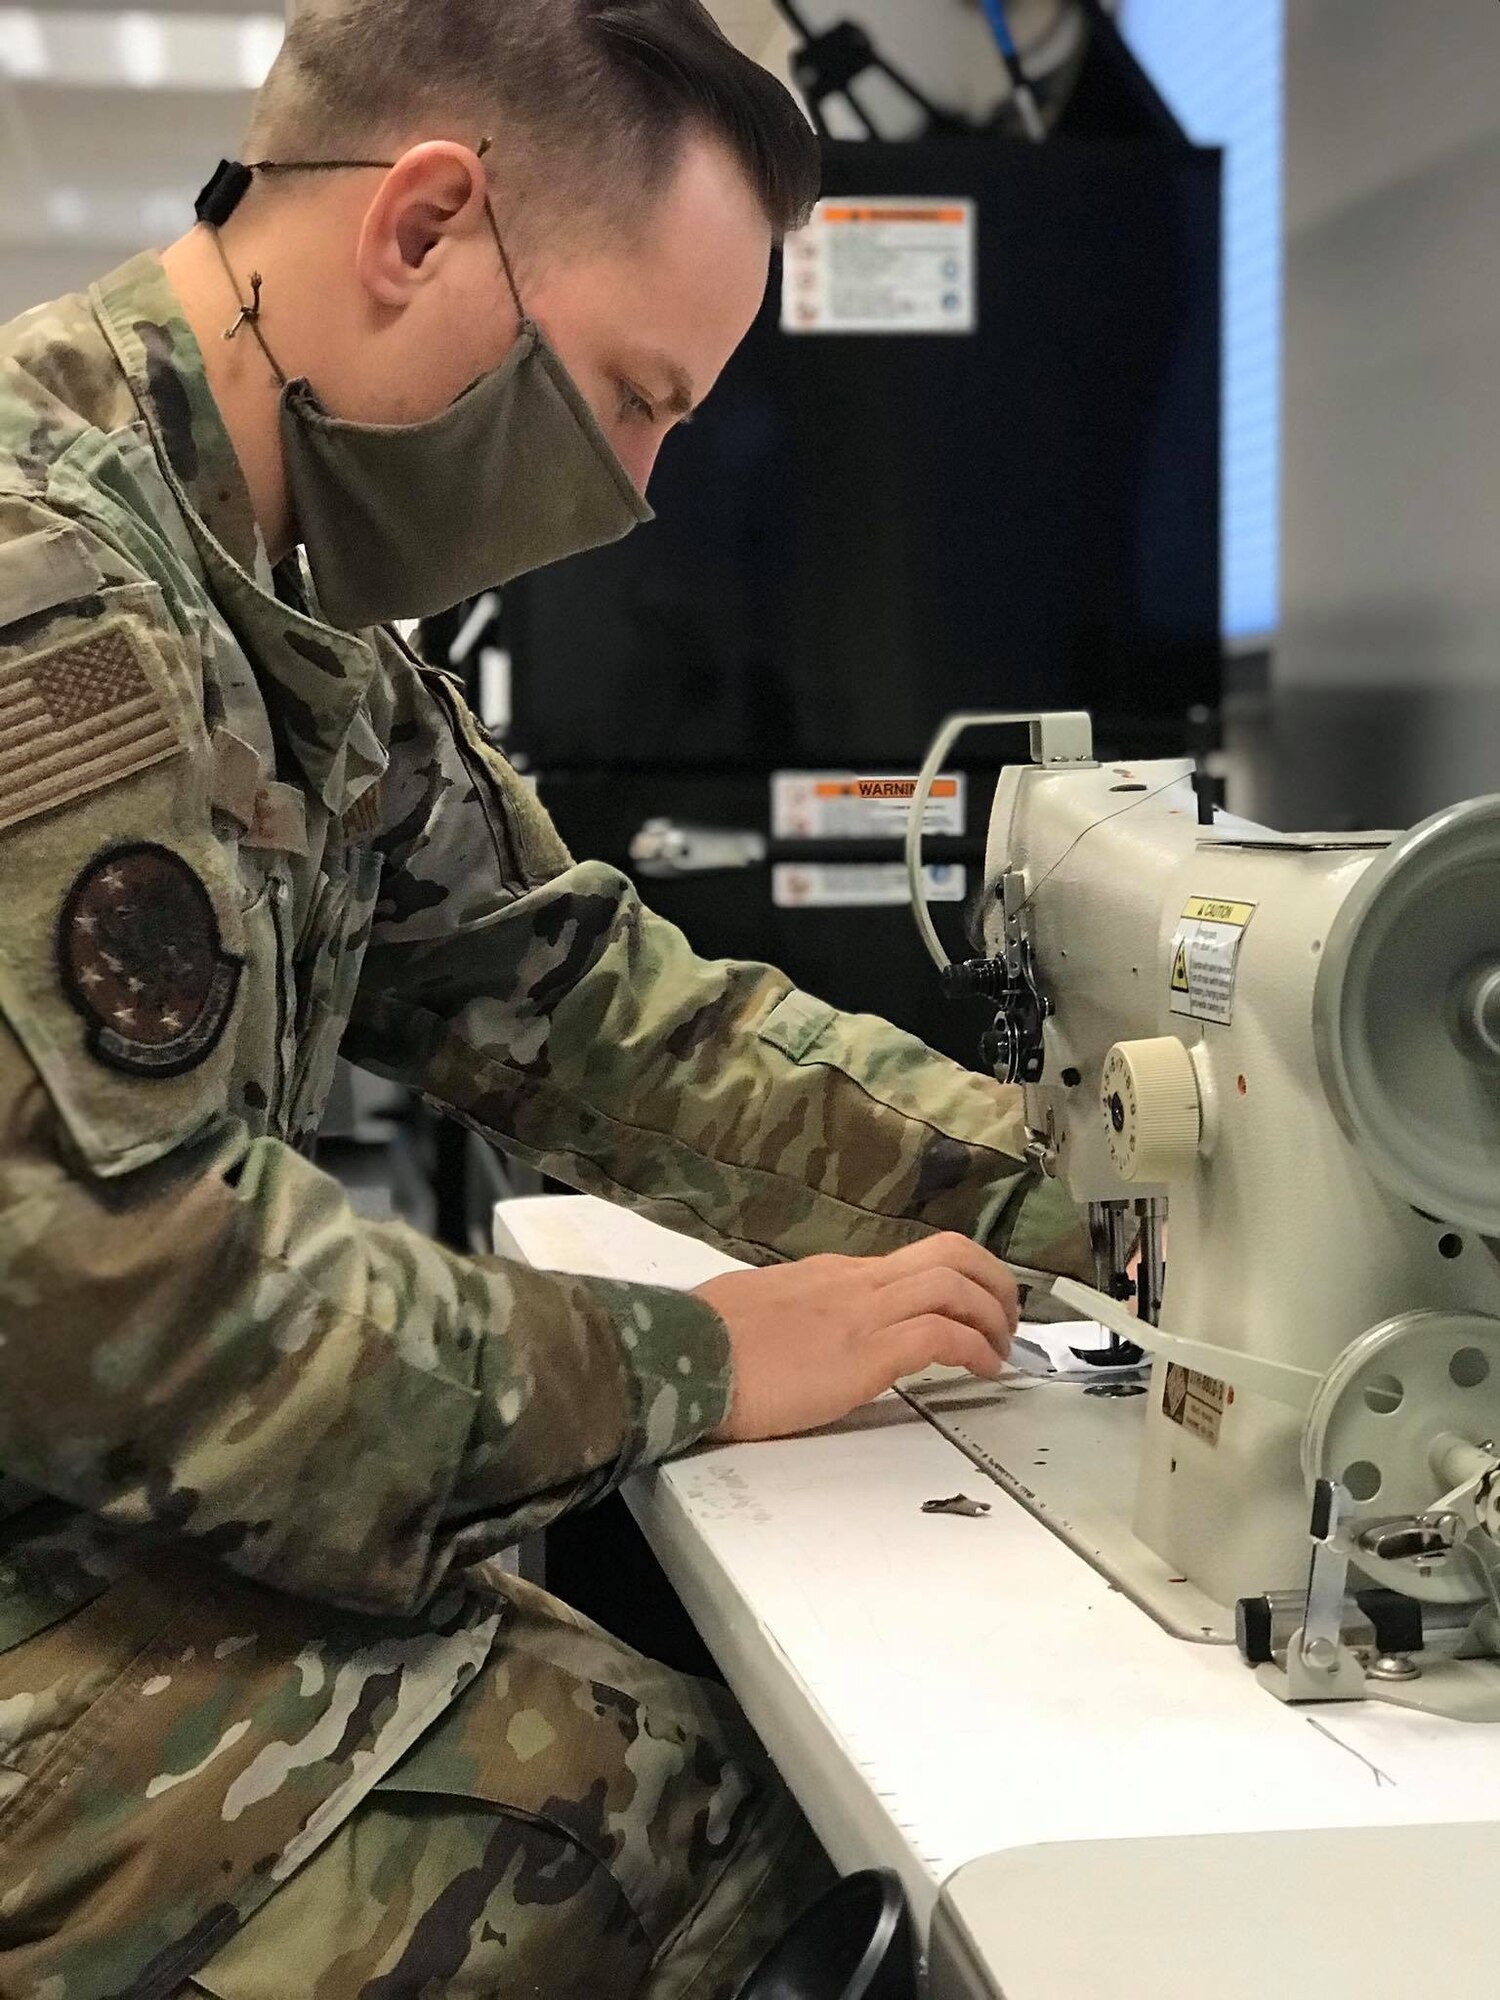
column 434, row 193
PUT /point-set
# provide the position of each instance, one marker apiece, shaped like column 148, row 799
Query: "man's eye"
column 634, row 407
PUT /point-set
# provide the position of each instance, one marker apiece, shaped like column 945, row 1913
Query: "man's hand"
column 811, row 1340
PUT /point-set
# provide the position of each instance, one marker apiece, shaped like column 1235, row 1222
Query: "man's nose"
column 638, row 456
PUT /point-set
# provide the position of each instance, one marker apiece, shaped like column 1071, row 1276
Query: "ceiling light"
column 141, row 45
column 165, row 213
column 142, row 48
column 259, row 39
column 23, row 51
column 67, row 209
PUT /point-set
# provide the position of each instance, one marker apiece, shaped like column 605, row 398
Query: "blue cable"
column 1026, row 104
column 994, row 13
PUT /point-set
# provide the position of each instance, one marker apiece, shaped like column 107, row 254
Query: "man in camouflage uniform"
column 267, row 1724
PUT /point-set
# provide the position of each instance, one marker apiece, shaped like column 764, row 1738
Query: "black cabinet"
column 861, row 533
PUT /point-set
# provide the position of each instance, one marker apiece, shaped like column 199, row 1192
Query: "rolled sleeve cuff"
column 1038, row 1223
column 678, row 1369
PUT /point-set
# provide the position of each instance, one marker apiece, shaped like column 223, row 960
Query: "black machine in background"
column 861, row 533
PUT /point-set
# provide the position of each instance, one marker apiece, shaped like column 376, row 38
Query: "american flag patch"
column 363, row 817
column 75, row 718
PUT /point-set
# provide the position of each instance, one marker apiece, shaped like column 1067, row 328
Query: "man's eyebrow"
column 679, row 398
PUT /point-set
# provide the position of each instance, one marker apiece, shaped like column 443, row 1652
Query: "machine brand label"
column 860, row 885
column 1195, row 1401
column 881, row 265
column 1205, row 953
column 841, row 805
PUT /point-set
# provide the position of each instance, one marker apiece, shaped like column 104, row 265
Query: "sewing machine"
column 1289, row 1045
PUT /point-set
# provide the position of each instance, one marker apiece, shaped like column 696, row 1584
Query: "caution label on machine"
column 1195, row 1401
column 1205, row 953
column 841, row 805
column 901, row 264
column 860, row 885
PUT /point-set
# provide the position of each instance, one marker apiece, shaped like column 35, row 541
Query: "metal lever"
column 662, row 847
column 1328, row 1572
column 1319, row 1665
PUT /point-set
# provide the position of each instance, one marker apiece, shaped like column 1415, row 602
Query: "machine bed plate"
column 1070, row 1458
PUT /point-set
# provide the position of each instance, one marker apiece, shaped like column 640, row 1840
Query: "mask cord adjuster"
column 223, row 191
column 247, row 314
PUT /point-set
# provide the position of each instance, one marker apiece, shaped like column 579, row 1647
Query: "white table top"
column 936, row 1688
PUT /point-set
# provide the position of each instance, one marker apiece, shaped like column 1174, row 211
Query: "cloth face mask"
column 405, row 520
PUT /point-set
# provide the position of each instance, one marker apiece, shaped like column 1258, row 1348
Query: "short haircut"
column 589, row 100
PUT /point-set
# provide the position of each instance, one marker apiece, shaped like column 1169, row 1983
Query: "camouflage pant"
column 490, row 1862
column 581, row 1822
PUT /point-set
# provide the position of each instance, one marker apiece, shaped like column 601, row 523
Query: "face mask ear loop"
column 312, row 166
column 505, row 264
column 249, row 315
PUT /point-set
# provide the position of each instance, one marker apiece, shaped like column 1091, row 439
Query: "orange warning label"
column 886, row 213
column 883, row 788
column 872, row 264
column 845, row 805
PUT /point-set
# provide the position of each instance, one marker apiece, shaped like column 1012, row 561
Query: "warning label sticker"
column 1195, row 1401
column 1205, row 952
column 884, row 265
column 860, row 885
column 840, row 805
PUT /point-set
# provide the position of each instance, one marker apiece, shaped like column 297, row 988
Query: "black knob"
column 984, row 977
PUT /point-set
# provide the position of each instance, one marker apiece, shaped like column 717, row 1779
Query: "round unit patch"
column 140, row 955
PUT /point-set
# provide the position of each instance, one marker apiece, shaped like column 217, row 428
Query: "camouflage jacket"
column 231, row 838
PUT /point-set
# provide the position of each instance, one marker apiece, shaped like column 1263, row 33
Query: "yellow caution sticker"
column 1219, row 913
column 1205, row 957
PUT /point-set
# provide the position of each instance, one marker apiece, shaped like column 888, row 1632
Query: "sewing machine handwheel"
column 1376, row 1415
column 1406, row 1015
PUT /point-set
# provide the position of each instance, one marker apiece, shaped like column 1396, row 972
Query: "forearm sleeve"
column 217, row 1346
column 537, row 998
